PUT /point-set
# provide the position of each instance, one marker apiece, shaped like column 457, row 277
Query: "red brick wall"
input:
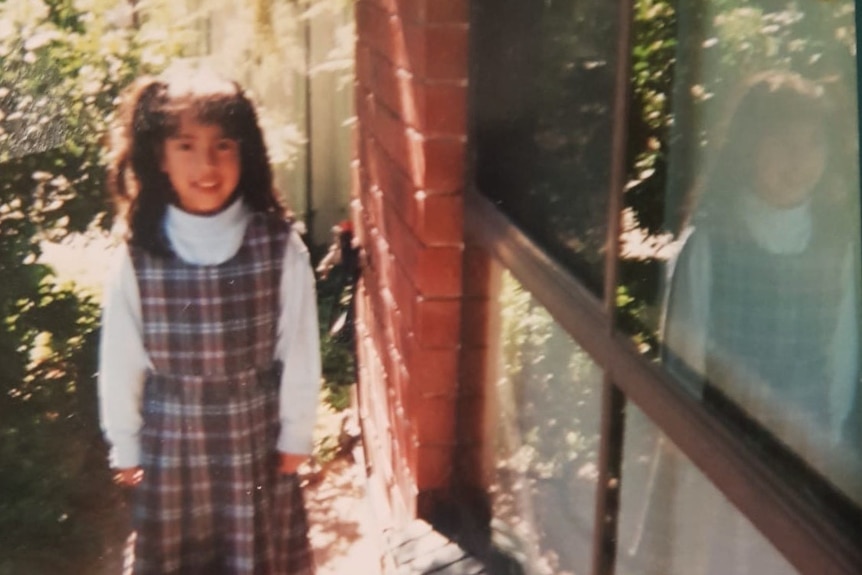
column 408, row 211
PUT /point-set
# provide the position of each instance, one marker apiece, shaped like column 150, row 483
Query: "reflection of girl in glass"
column 761, row 314
column 762, row 299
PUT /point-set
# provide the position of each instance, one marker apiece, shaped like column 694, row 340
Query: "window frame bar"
column 802, row 531
column 613, row 401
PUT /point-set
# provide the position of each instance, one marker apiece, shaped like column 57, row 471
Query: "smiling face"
column 203, row 166
column 789, row 161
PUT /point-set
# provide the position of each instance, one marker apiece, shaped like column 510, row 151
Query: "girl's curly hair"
column 150, row 111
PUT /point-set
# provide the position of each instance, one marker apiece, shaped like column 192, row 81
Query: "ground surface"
column 344, row 531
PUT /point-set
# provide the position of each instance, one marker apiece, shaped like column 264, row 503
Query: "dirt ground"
column 344, row 533
column 342, row 530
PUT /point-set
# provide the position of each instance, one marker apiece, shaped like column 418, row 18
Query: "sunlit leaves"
column 545, row 383
column 653, row 61
column 63, row 68
column 63, row 64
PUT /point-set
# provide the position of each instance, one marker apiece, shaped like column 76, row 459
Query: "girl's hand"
column 288, row 463
column 128, row 477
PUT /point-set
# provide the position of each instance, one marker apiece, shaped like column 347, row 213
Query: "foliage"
column 52, row 472
column 547, row 399
column 654, row 48
column 338, row 373
column 809, row 37
column 337, row 349
column 64, row 63
column 63, row 66
column 574, row 77
column 653, row 58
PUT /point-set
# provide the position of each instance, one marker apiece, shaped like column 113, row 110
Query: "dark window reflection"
column 543, row 86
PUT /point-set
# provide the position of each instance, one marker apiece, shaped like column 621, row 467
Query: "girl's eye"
column 226, row 145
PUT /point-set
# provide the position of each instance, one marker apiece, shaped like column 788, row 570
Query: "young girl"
column 762, row 303
column 209, row 360
column 761, row 315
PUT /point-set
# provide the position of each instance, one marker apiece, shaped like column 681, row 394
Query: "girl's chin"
column 204, row 209
column 785, row 199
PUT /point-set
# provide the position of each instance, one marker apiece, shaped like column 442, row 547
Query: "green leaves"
column 63, row 64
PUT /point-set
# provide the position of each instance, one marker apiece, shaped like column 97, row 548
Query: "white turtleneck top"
column 123, row 362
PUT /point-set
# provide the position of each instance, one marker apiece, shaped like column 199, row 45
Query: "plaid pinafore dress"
column 211, row 501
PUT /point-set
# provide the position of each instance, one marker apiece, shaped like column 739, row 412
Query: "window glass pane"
column 673, row 521
column 543, row 85
column 545, row 417
column 745, row 198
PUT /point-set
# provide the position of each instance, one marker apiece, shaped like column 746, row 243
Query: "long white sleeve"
column 684, row 329
column 298, row 348
column 122, row 363
column 844, row 363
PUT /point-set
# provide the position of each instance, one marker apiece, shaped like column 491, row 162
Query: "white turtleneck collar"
column 777, row 230
column 207, row 240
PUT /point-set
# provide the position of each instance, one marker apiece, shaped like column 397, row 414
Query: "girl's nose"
column 206, row 156
column 209, row 156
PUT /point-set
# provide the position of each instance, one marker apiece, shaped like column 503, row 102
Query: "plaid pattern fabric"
column 211, row 501
column 773, row 318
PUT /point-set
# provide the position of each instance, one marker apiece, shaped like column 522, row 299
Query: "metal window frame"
column 802, row 530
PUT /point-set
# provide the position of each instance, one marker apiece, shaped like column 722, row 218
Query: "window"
column 545, row 420
column 737, row 409
column 752, row 172
column 673, row 521
column 544, row 76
